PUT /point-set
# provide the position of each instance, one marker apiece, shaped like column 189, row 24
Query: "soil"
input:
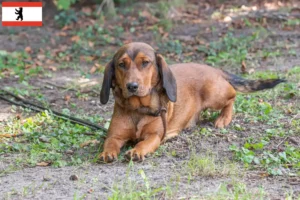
column 94, row 180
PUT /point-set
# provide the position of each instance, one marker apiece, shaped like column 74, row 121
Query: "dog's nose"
column 132, row 87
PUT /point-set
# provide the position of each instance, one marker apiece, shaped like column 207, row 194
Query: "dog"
column 155, row 101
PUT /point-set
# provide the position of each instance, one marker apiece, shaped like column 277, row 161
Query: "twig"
column 27, row 104
column 281, row 142
column 101, row 6
column 72, row 89
column 11, row 135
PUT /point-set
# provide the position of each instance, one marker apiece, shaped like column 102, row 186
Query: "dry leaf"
column 52, row 68
column 93, row 69
column 28, row 49
column 66, row 27
column 61, row 33
column 43, row 164
column 48, row 61
column 67, row 98
column 86, row 10
column 251, row 71
column 6, row 135
column 53, row 42
column 86, row 143
column 91, row 44
column 23, row 35
column 41, row 56
column 27, row 66
column 75, row 38
column 38, row 63
column 227, row 19
column 243, row 68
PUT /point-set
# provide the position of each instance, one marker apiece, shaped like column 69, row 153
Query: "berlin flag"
column 22, row 14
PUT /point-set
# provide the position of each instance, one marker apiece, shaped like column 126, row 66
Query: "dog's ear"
column 107, row 82
column 167, row 77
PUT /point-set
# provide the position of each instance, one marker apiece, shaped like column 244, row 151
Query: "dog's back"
column 200, row 87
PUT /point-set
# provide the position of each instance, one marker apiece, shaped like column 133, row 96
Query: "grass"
column 237, row 190
column 133, row 190
column 269, row 147
column 208, row 166
column 229, row 50
column 50, row 140
column 18, row 64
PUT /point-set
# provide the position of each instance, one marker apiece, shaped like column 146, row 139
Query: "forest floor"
column 61, row 64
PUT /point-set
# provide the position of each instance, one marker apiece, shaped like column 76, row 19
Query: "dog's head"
column 136, row 69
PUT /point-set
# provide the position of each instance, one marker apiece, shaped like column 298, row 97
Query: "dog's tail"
column 246, row 86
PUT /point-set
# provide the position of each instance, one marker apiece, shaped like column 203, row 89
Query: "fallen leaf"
column 243, row 68
column 52, row 68
column 91, row 44
column 86, row 10
column 18, row 116
column 41, row 57
column 227, row 19
column 88, row 142
column 263, row 174
column 23, row 35
column 93, row 69
column 67, row 58
column 61, row 33
column 53, row 42
column 251, row 71
column 75, row 38
column 28, row 49
column 48, row 61
column 43, row 164
column 6, row 135
column 66, row 27
column 27, row 66
column 67, row 98
column 38, row 63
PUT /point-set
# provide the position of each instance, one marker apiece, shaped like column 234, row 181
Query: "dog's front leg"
column 151, row 139
column 119, row 133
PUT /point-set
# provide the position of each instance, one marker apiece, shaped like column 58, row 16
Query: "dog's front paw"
column 108, row 157
column 135, row 155
column 222, row 121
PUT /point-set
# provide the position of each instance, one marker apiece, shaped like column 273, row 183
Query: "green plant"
column 207, row 166
column 66, row 17
column 64, row 4
column 173, row 46
column 273, row 161
column 130, row 190
column 229, row 50
column 16, row 63
column 237, row 190
column 47, row 140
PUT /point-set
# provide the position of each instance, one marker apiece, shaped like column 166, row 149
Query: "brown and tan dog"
column 144, row 87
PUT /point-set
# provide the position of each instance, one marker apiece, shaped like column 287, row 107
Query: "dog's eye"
column 145, row 63
column 122, row 65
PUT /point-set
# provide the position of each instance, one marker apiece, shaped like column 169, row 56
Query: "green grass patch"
column 208, row 166
column 133, row 190
column 237, row 190
column 275, row 111
column 18, row 64
column 49, row 139
column 229, row 50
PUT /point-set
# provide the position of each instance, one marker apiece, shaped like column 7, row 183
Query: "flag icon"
column 22, row 14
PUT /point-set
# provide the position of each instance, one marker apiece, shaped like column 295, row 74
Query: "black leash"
column 27, row 104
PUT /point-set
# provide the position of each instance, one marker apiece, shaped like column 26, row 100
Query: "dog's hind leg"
column 221, row 96
column 225, row 116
